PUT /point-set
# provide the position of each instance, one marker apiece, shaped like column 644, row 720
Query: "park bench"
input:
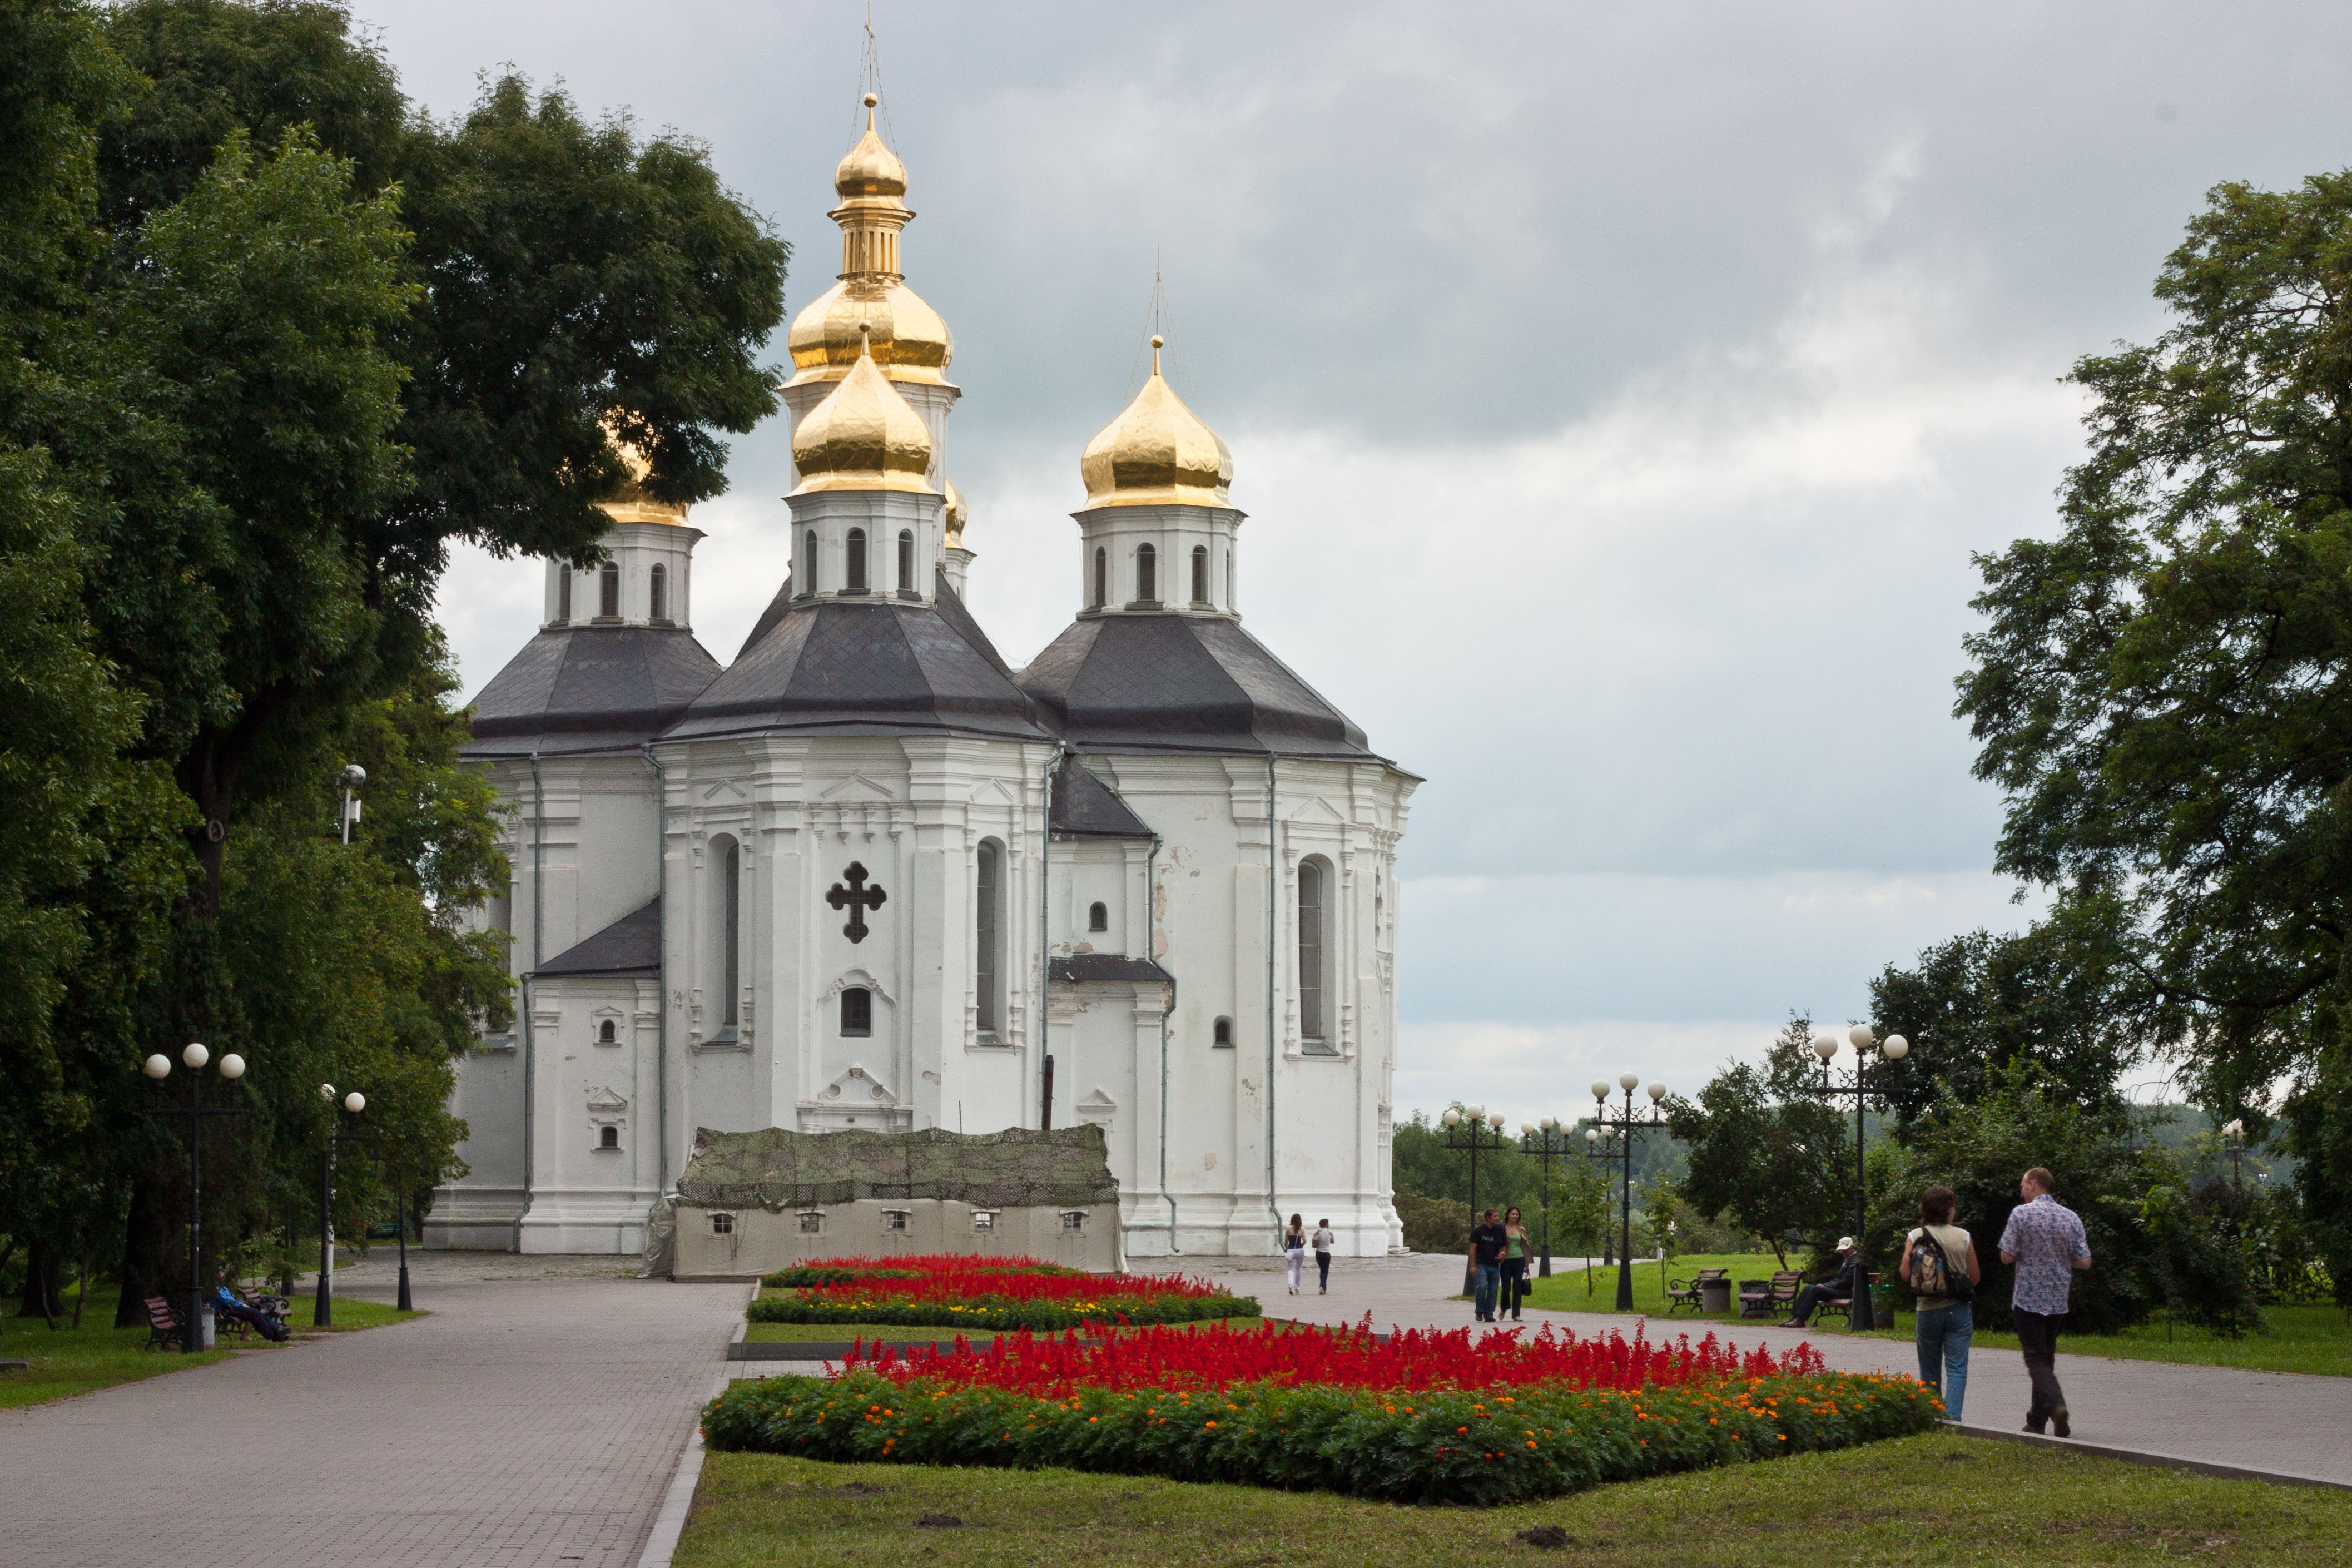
column 1786, row 1283
column 1841, row 1305
column 1685, row 1292
column 163, row 1324
column 1755, row 1297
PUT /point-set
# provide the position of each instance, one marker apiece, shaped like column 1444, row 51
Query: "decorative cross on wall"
column 856, row 898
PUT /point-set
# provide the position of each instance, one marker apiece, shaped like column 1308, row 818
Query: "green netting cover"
column 1067, row 1167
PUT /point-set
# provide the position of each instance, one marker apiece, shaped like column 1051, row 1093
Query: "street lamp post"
column 2234, row 1131
column 1545, row 1140
column 350, row 779
column 1600, row 1145
column 400, row 1222
column 322, row 1306
column 1863, row 1084
column 231, row 1068
column 1628, row 1126
column 1476, row 1132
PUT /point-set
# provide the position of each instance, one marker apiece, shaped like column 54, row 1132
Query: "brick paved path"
column 2261, row 1420
column 525, row 1421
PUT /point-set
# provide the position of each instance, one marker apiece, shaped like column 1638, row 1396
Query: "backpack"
column 1932, row 1273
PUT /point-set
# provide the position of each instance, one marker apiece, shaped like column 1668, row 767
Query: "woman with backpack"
column 1940, row 1262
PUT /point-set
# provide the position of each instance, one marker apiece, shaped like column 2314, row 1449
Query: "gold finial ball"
column 1157, row 341
column 871, row 100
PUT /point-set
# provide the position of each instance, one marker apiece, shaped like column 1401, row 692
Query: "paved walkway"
column 527, row 1420
column 2260, row 1420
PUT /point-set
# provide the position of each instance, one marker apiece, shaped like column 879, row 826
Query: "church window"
column 1314, row 879
column 1223, row 1034
column 722, row 1224
column 1102, row 577
column 1147, row 573
column 808, row 561
column 906, row 561
column 658, row 603
column 605, row 1032
column 608, row 1138
column 563, row 594
column 856, row 1011
column 1098, row 917
column 730, row 931
column 989, row 898
column 1200, row 573
column 608, row 591
column 857, row 583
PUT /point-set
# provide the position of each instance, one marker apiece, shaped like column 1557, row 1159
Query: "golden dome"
column 863, row 436
column 1157, row 453
column 956, row 515
column 909, row 340
column 632, row 502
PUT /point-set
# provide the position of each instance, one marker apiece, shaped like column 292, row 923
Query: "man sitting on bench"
column 1838, row 1287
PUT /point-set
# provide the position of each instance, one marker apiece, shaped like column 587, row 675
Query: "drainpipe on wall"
column 538, row 929
column 1045, row 940
column 1151, row 952
column 1273, row 879
column 661, row 965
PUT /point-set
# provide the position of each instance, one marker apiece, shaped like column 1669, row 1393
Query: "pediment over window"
column 604, row 1099
column 856, row 787
column 858, row 1087
column 1097, row 1103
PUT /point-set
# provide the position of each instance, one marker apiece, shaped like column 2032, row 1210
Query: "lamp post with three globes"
column 1863, row 1084
column 322, row 1306
column 231, row 1068
column 1627, row 1127
column 1474, row 1129
column 1547, row 1140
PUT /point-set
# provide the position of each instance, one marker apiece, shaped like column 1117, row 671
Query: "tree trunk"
column 143, row 1257
column 42, row 1296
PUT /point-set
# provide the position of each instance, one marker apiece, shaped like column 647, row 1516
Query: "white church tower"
column 868, row 877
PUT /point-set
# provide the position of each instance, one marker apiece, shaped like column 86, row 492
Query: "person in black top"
column 1487, row 1241
column 1838, row 1287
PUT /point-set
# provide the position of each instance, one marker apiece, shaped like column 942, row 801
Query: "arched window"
column 1147, row 573
column 856, row 584
column 1224, row 1033
column 1314, row 890
column 657, row 602
column 605, row 1032
column 608, row 591
column 808, row 561
column 609, row 1138
column 1102, row 577
column 988, row 902
column 564, row 593
column 856, row 1012
column 1200, row 573
column 906, row 561
column 1098, row 917
column 730, row 931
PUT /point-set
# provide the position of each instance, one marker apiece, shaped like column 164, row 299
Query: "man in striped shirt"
column 2044, row 1239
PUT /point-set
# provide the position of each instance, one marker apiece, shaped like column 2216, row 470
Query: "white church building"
column 869, row 876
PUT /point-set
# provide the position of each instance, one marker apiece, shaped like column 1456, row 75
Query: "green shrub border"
column 803, row 1276
column 1483, row 1447
column 984, row 1312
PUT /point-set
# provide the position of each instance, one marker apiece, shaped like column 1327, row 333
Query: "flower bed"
column 950, row 1292
column 1422, row 1417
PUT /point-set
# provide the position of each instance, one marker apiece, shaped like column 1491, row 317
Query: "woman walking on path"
column 1324, row 1242
column 1294, row 1248
column 1515, row 1259
column 2045, row 1239
column 1939, row 1261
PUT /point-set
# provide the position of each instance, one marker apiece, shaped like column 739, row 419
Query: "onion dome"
column 956, row 515
column 909, row 340
column 1157, row 453
column 863, row 436
column 632, row 502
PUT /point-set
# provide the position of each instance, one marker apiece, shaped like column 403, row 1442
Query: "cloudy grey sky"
column 1617, row 394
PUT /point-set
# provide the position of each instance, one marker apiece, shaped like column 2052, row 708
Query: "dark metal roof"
column 1083, row 966
column 885, row 667
column 1086, row 808
column 1163, row 682
column 630, row 945
column 579, row 688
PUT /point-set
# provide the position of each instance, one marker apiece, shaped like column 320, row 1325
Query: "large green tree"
column 2164, row 689
column 1765, row 1151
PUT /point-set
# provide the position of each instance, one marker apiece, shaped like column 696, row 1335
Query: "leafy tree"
column 2162, row 689
column 1765, row 1150
column 1579, row 1209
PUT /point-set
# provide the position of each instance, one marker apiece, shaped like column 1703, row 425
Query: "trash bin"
column 204, row 1324
column 1714, row 1295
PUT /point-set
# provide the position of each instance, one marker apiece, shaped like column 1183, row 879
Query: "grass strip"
column 1481, row 1447
column 1933, row 1502
column 99, row 1355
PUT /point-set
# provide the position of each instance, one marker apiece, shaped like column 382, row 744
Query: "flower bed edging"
column 1485, row 1447
column 1041, row 1316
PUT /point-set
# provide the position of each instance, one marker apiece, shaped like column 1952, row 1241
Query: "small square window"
column 1074, row 1219
column 983, row 1220
column 722, row 1224
column 1224, row 1033
column 812, row 1221
column 856, row 1012
column 608, row 1138
column 1098, row 917
column 894, row 1219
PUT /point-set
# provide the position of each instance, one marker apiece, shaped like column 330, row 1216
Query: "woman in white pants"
column 1294, row 1248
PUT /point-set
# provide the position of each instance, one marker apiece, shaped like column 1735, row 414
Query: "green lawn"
column 1935, row 1500
column 845, row 1333
column 98, row 1355
column 2299, row 1338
